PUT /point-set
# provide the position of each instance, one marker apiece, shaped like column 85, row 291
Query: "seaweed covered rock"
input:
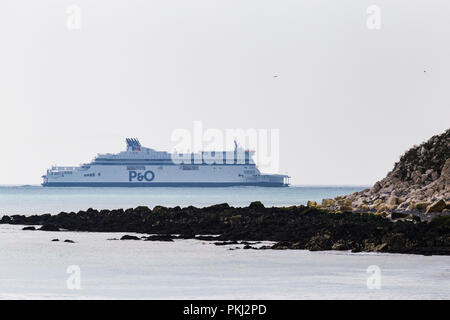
column 157, row 237
column 49, row 227
column 296, row 227
column 128, row 237
column 256, row 205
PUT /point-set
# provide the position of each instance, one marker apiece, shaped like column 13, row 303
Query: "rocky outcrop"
column 128, row 237
column 296, row 227
column 49, row 227
column 419, row 184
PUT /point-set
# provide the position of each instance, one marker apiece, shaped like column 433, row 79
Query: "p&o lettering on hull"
column 139, row 176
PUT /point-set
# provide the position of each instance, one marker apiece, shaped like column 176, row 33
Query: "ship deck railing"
column 55, row 168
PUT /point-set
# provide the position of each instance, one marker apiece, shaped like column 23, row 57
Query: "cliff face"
column 419, row 183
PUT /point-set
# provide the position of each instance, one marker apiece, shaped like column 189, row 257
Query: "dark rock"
column 28, row 228
column 69, row 241
column 143, row 209
column 225, row 243
column 55, row 240
column 394, row 242
column 319, row 242
column 398, row 215
column 49, row 227
column 159, row 209
column 256, row 205
column 282, row 245
column 5, row 220
column 128, row 237
column 187, row 236
column 166, row 237
column 218, row 207
column 441, row 222
column 206, row 238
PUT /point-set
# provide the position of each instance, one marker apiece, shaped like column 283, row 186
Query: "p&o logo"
column 139, row 176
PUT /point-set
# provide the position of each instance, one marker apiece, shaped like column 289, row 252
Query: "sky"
column 347, row 97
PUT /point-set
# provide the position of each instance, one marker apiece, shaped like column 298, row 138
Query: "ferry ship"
column 145, row 167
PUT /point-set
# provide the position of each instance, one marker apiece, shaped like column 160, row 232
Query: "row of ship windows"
column 220, row 168
column 91, row 174
column 61, row 172
column 183, row 167
column 196, row 168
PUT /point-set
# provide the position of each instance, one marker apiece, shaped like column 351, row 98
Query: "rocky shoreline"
column 419, row 184
column 297, row 227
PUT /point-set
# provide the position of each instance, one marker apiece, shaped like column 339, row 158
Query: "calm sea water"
column 37, row 200
column 32, row 266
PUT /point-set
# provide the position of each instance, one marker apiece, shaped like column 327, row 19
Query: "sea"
column 29, row 200
column 98, row 266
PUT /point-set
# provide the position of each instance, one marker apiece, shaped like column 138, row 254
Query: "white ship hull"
column 148, row 168
column 162, row 176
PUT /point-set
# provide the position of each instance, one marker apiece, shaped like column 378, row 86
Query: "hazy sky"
column 347, row 100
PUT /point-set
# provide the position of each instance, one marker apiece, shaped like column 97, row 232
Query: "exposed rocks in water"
column 54, row 240
column 128, row 237
column 418, row 184
column 49, row 227
column 69, row 241
column 232, row 242
column 206, row 238
column 296, row 227
column 226, row 243
column 29, row 228
column 166, row 237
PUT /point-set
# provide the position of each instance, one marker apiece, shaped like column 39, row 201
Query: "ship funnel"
column 133, row 143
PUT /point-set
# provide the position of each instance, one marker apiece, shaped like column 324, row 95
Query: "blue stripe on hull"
column 162, row 184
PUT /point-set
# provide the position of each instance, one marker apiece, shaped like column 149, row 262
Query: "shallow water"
column 32, row 266
column 38, row 200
